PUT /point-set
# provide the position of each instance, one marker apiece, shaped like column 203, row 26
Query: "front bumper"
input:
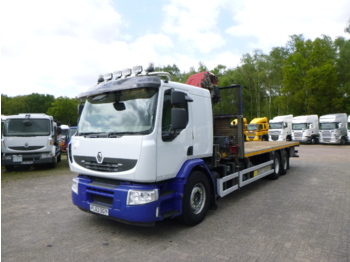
column 114, row 198
column 26, row 159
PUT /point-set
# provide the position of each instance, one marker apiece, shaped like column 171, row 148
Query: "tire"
column 54, row 162
column 9, row 168
column 196, row 199
column 59, row 158
column 277, row 166
column 285, row 163
column 343, row 141
column 313, row 141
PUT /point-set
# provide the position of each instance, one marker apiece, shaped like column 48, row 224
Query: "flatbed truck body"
column 177, row 163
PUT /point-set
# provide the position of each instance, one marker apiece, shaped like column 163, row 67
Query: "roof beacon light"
column 127, row 72
column 117, row 74
column 137, row 70
column 100, row 79
column 108, row 77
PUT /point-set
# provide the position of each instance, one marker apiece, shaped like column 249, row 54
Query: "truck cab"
column 333, row 129
column 280, row 128
column 30, row 139
column 258, row 129
column 305, row 129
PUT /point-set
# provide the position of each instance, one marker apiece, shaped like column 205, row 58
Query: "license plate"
column 99, row 209
column 27, row 162
column 17, row 158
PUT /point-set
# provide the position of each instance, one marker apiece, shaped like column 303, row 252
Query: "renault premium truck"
column 280, row 128
column 30, row 139
column 305, row 129
column 333, row 129
column 147, row 148
column 258, row 129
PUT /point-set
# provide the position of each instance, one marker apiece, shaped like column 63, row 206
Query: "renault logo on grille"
column 99, row 158
column 26, row 145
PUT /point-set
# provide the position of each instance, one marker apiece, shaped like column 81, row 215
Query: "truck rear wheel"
column 277, row 166
column 196, row 199
column 285, row 162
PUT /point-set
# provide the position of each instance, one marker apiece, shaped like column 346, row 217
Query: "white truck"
column 333, row 129
column 147, row 148
column 305, row 129
column 29, row 139
column 280, row 128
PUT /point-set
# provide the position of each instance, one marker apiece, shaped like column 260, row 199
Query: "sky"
column 61, row 47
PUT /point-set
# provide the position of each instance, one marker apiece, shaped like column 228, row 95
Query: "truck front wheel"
column 196, row 199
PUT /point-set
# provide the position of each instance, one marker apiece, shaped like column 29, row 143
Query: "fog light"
column 140, row 197
column 46, row 155
column 75, row 185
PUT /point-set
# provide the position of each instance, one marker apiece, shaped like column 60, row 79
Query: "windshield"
column 252, row 127
column 299, row 126
column 27, row 127
column 118, row 113
column 276, row 125
column 328, row 126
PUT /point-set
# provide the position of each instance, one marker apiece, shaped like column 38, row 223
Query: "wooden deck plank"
column 253, row 148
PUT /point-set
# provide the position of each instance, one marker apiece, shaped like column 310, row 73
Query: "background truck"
column 245, row 122
column 147, row 148
column 258, row 129
column 29, row 139
column 349, row 129
column 280, row 128
column 305, row 129
column 333, row 129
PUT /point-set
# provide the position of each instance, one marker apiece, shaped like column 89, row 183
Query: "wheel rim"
column 277, row 165
column 198, row 198
column 285, row 163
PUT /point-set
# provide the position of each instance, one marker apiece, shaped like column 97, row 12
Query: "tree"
column 64, row 109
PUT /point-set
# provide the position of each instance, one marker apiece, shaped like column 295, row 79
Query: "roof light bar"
column 127, row 72
column 118, row 74
column 100, row 79
column 108, row 77
column 137, row 70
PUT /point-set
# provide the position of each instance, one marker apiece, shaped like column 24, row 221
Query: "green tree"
column 64, row 109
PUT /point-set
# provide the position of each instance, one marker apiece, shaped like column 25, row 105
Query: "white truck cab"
column 305, row 129
column 29, row 139
column 280, row 128
column 333, row 129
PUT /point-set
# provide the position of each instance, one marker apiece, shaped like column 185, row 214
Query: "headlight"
column 75, row 185
column 6, row 158
column 139, row 197
column 46, row 155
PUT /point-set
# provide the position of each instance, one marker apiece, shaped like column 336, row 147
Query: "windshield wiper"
column 93, row 134
column 120, row 134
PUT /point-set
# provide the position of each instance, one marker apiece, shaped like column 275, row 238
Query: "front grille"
column 298, row 134
column 108, row 164
column 22, row 148
column 102, row 199
column 274, row 138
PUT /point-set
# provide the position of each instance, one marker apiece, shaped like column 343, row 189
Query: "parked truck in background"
column 30, row 139
column 258, row 129
column 333, row 129
column 147, row 148
column 305, row 129
column 280, row 128
column 234, row 122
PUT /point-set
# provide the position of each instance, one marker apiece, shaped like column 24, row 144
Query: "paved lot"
column 302, row 216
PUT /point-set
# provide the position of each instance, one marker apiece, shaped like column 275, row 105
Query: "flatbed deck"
column 253, row 148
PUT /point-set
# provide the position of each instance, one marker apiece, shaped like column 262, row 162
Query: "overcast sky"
column 60, row 47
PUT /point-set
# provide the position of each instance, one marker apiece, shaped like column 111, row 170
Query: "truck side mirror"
column 179, row 98
column 59, row 130
column 80, row 109
column 311, row 126
column 178, row 118
column 285, row 125
column 340, row 125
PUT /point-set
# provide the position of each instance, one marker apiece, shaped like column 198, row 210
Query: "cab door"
column 174, row 147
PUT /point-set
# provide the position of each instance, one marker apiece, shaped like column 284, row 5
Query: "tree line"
column 304, row 77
